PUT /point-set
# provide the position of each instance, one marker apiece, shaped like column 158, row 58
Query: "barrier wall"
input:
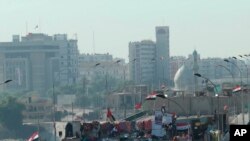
column 199, row 105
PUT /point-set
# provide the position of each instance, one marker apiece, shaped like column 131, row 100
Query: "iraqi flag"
column 182, row 126
column 236, row 89
column 152, row 96
column 110, row 116
column 34, row 137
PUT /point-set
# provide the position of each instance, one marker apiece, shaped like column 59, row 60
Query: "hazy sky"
column 215, row 28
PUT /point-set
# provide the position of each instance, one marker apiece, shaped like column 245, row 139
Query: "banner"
column 158, row 117
column 167, row 119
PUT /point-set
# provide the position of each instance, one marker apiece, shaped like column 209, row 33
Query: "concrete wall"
column 198, row 105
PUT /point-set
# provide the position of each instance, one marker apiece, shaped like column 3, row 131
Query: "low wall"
column 199, row 105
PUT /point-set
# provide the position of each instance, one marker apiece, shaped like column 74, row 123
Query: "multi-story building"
column 149, row 60
column 142, row 62
column 108, row 67
column 162, row 55
column 37, row 61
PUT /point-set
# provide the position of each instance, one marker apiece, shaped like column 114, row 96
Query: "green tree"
column 11, row 114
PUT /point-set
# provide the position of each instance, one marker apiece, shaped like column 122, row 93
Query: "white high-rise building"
column 149, row 60
column 142, row 62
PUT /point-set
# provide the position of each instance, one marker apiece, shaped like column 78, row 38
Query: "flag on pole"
column 152, row 96
column 236, row 89
column 110, row 116
column 138, row 106
column 34, row 137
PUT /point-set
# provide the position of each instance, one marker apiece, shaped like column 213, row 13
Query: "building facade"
column 162, row 55
column 149, row 61
column 38, row 61
column 142, row 62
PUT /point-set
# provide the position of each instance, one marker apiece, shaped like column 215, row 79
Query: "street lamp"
column 245, row 66
column 171, row 100
column 199, row 75
column 106, row 79
column 233, row 83
column 247, row 82
column 124, row 95
column 215, row 93
column 242, row 100
column 227, row 70
column 6, row 81
column 54, row 104
column 124, row 75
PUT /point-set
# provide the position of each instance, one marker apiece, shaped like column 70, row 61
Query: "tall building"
column 162, row 55
column 38, row 61
column 149, row 61
column 142, row 62
column 68, row 60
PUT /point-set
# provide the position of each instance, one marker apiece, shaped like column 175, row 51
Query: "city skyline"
column 214, row 29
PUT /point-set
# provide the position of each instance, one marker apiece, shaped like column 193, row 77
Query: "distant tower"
column 195, row 70
column 162, row 55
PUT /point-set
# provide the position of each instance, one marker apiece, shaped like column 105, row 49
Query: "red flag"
column 34, row 137
column 138, row 106
column 110, row 115
column 152, row 96
column 237, row 88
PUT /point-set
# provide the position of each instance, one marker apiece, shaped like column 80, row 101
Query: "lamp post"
column 199, row 75
column 228, row 71
column 106, row 80
column 215, row 94
column 244, row 65
column 124, row 95
column 247, row 83
column 242, row 99
column 169, row 99
column 7, row 81
column 124, row 74
column 233, row 83
column 54, row 105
